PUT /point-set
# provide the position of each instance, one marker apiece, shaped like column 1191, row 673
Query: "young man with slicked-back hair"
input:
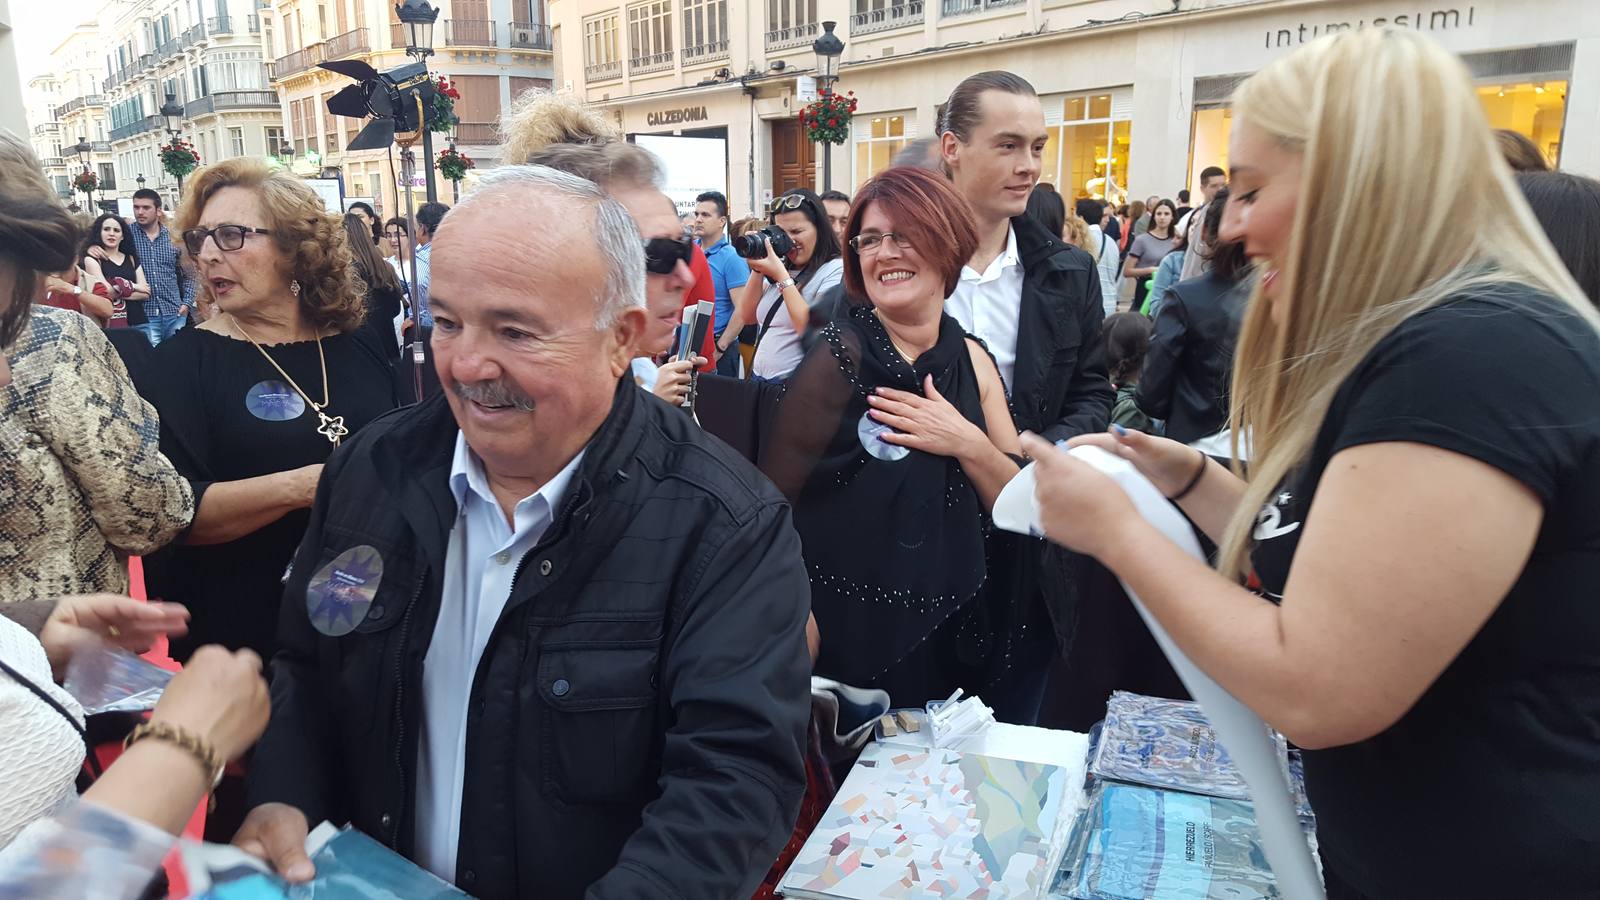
column 1035, row 301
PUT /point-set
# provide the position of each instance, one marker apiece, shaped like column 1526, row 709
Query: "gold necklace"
column 332, row 427
column 894, row 343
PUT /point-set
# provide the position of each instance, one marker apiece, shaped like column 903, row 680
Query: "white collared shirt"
column 481, row 563
column 989, row 305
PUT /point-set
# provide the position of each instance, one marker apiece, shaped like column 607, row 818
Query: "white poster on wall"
column 328, row 190
column 693, row 165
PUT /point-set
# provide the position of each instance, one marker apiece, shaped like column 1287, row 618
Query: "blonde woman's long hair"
column 1345, row 285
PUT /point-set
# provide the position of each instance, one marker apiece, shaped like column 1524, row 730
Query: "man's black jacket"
column 636, row 723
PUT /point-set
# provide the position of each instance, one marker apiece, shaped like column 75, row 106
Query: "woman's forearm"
column 1210, row 504
column 126, row 786
column 989, row 470
column 229, row 510
column 799, row 311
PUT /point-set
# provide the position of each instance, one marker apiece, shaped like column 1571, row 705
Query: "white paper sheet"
column 1240, row 730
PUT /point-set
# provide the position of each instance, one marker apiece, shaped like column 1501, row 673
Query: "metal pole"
column 427, row 155
column 418, row 357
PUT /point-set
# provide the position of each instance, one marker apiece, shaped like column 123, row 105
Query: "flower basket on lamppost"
column 178, row 159
column 453, row 164
column 827, row 122
column 87, row 182
column 442, row 117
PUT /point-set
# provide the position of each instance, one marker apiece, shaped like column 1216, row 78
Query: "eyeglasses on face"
column 394, row 233
column 228, row 237
column 662, row 255
column 870, row 241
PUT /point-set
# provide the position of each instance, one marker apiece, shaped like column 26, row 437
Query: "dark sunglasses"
column 662, row 255
column 228, row 237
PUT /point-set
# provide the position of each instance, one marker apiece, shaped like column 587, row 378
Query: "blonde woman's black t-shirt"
column 1490, row 785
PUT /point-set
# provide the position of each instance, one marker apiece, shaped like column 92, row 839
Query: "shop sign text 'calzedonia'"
column 676, row 116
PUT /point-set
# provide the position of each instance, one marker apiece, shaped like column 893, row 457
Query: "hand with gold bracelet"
column 211, row 712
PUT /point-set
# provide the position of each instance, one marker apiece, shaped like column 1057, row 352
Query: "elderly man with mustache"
column 544, row 637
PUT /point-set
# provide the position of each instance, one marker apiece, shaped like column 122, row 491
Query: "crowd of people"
column 545, row 621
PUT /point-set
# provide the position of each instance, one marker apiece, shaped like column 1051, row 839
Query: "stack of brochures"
column 1168, row 814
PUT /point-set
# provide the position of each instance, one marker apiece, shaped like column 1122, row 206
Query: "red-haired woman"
column 893, row 439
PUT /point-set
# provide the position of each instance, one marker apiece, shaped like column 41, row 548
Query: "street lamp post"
column 83, row 149
column 173, row 111
column 828, row 49
column 418, row 17
column 140, row 181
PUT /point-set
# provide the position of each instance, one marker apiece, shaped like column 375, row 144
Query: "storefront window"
column 1536, row 110
column 878, row 138
column 1086, row 155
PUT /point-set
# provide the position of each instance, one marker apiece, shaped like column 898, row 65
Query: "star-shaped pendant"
column 332, row 428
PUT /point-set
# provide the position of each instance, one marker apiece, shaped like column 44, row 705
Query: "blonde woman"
column 1421, row 527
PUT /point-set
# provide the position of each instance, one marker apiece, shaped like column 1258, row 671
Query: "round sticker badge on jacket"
column 339, row 595
column 871, row 433
column 274, row 401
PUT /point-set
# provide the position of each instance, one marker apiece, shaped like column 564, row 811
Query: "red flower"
column 833, row 123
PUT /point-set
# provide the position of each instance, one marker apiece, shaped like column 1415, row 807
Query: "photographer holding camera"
column 793, row 260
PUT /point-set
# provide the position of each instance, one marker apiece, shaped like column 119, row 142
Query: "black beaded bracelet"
column 1199, row 474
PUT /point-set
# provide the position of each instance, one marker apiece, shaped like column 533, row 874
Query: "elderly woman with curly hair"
column 253, row 401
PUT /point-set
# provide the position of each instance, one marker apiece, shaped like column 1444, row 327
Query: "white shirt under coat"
column 989, row 305
column 480, row 564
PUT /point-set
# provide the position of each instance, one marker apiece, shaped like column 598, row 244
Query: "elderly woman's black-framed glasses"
column 872, row 240
column 228, row 237
column 662, row 255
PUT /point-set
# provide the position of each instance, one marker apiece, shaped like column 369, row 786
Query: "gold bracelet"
column 209, row 759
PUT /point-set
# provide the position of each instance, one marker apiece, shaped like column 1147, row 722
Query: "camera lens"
column 752, row 245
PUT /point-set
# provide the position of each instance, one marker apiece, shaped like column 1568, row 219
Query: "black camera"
column 754, row 244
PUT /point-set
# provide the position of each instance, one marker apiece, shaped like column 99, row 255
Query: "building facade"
column 205, row 62
column 491, row 50
column 13, row 110
column 78, row 114
column 49, row 143
column 1135, row 91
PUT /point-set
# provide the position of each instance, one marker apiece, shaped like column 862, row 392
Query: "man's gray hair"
column 621, row 249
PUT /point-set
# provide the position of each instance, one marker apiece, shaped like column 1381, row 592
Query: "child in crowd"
column 1127, row 337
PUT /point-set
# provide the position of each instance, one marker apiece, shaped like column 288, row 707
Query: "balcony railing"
column 478, row 133
column 602, row 71
column 101, row 146
column 168, row 49
column 650, row 62
column 219, row 25
column 230, row 100
column 53, row 162
column 253, row 22
column 794, row 36
column 897, row 15
column 964, row 7
column 147, row 61
column 699, row 54
column 529, row 36
column 139, row 126
column 397, row 36
column 192, row 36
column 300, row 60
column 47, row 128
column 77, row 103
column 351, row 42
column 469, row 33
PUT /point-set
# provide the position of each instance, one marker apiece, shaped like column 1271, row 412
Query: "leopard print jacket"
column 83, row 484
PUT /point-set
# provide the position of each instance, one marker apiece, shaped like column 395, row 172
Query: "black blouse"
column 226, row 414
